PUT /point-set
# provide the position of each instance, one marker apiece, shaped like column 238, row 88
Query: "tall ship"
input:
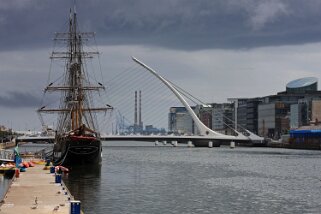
column 77, row 139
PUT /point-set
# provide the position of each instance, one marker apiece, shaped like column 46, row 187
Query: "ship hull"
column 72, row 151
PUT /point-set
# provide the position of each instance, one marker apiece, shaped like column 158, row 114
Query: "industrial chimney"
column 140, row 110
column 135, row 122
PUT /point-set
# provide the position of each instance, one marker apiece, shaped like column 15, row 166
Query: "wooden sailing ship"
column 77, row 140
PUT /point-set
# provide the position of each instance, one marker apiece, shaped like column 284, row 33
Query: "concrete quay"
column 35, row 191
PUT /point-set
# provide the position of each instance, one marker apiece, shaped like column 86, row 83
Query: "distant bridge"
column 36, row 139
column 196, row 140
column 207, row 137
column 205, row 132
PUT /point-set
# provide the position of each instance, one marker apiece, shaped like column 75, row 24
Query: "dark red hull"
column 77, row 150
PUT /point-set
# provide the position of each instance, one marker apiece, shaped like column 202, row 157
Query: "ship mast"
column 75, row 73
column 75, row 105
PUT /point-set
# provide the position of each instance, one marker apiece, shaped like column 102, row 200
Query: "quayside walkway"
column 35, row 191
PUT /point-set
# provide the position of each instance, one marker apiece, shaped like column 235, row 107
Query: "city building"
column 204, row 113
column 273, row 120
column 315, row 112
column 150, row 129
column 269, row 116
column 179, row 121
column 223, row 117
column 302, row 85
column 295, row 114
column 273, row 115
column 247, row 114
column 218, row 117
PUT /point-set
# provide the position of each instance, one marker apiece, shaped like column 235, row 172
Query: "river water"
column 140, row 178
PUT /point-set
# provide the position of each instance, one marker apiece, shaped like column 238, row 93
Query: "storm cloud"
column 213, row 49
column 15, row 99
column 174, row 24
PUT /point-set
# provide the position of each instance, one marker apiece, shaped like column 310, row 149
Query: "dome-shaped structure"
column 302, row 85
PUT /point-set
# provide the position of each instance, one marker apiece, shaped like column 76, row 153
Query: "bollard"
column 58, row 178
column 52, row 169
column 156, row 143
column 210, row 144
column 164, row 142
column 47, row 162
column 75, row 207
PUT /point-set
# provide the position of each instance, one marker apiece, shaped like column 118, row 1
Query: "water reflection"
column 4, row 185
column 144, row 179
column 83, row 181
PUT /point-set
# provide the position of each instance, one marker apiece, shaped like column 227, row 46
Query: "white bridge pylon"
column 203, row 129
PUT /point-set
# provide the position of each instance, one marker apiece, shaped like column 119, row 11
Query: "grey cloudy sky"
column 214, row 49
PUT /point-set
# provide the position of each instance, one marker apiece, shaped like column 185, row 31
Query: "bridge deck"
column 197, row 140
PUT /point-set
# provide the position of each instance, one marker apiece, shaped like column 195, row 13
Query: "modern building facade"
column 315, row 112
column 297, row 106
column 302, row 85
column 223, row 118
column 247, row 114
column 204, row 113
column 218, row 117
column 179, row 121
column 273, row 120
column 269, row 116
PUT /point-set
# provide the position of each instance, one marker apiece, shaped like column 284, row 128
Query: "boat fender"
column 25, row 164
column 61, row 169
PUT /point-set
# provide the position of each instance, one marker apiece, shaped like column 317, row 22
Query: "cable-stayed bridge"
column 196, row 140
column 158, row 91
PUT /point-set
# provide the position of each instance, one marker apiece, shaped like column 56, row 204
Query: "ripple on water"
column 201, row 180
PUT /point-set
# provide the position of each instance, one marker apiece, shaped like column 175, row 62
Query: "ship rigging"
column 77, row 139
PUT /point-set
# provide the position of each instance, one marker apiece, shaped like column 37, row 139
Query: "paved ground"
column 35, row 191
